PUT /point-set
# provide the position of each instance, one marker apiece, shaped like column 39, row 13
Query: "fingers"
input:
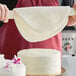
column 4, row 12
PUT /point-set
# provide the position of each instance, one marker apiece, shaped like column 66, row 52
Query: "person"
column 10, row 39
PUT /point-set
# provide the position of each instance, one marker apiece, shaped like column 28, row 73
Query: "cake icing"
column 12, row 67
column 41, row 61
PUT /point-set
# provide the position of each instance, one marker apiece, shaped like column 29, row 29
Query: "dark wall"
column 10, row 3
column 67, row 2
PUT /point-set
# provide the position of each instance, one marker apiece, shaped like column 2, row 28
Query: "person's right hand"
column 4, row 13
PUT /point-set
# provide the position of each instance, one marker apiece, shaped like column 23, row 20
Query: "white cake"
column 11, row 67
column 41, row 62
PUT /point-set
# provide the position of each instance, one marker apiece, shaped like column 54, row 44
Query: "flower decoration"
column 16, row 60
column 9, row 66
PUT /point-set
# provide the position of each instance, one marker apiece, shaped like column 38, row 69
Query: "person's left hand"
column 72, row 19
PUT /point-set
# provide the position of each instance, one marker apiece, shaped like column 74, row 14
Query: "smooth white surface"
column 41, row 61
column 40, row 23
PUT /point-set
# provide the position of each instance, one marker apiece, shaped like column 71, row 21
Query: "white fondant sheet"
column 41, row 23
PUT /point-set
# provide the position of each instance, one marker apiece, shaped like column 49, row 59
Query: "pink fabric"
column 11, row 41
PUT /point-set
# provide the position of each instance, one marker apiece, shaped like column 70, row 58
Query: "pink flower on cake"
column 9, row 66
column 16, row 60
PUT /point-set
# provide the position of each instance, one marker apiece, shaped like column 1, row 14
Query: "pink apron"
column 11, row 41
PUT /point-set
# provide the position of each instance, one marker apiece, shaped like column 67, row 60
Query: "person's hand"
column 72, row 19
column 4, row 12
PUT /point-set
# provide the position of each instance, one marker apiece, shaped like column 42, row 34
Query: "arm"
column 72, row 19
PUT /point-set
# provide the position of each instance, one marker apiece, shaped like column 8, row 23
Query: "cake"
column 41, row 62
column 11, row 67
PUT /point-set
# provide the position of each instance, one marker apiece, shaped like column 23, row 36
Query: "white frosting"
column 13, row 69
column 41, row 61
